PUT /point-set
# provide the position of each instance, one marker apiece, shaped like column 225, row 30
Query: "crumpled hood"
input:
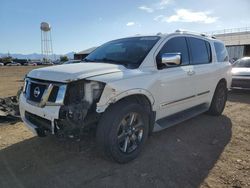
column 240, row 71
column 71, row 72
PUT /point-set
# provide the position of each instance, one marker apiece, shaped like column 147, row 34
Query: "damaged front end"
column 79, row 109
column 75, row 103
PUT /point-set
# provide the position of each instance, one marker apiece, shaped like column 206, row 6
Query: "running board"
column 179, row 117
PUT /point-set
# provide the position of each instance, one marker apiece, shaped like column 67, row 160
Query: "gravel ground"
column 204, row 151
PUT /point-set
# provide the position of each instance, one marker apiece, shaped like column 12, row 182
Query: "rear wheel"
column 122, row 131
column 219, row 99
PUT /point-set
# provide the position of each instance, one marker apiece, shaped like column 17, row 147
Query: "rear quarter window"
column 221, row 52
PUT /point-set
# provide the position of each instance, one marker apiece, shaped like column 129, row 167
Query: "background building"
column 82, row 54
column 237, row 41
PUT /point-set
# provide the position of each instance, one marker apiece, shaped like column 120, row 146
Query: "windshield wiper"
column 106, row 60
column 112, row 61
column 88, row 60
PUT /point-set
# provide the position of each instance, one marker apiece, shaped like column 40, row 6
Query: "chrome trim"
column 203, row 93
column 46, row 95
column 186, row 98
column 44, row 100
column 61, row 94
column 171, row 59
column 25, row 85
column 179, row 100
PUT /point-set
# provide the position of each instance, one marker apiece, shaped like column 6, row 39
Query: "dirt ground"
column 204, row 151
column 11, row 79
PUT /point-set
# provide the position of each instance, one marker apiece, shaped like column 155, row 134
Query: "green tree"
column 6, row 59
column 63, row 58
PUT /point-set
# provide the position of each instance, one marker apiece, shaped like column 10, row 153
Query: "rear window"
column 200, row 51
column 221, row 52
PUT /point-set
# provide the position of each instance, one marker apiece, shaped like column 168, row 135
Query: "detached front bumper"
column 37, row 118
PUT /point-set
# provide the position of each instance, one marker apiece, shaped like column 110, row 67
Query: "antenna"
column 46, row 42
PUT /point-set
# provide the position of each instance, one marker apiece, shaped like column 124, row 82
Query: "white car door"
column 202, row 70
column 174, row 89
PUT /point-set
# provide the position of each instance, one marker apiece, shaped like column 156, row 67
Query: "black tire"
column 219, row 100
column 114, row 123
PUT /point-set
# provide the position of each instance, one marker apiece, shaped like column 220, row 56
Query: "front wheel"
column 219, row 99
column 122, row 131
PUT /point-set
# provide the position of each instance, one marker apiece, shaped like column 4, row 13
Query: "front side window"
column 129, row 52
column 174, row 45
column 200, row 51
column 221, row 52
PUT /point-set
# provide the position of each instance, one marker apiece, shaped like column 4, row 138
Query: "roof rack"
column 193, row 33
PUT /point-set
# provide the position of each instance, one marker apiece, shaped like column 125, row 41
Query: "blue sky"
column 80, row 24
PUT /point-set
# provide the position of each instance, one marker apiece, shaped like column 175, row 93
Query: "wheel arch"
column 224, row 81
column 143, row 98
column 111, row 96
column 213, row 108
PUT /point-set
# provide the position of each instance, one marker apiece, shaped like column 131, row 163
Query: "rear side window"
column 176, row 45
column 200, row 51
column 221, row 52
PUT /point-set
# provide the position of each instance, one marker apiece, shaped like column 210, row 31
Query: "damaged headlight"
column 61, row 94
column 93, row 91
column 83, row 90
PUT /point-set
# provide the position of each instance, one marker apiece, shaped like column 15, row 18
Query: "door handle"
column 190, row 73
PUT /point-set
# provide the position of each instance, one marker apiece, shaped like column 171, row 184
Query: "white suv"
column 129, row 88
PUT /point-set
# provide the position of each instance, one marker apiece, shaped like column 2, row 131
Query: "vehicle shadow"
column 180, row 156
column 241, row 96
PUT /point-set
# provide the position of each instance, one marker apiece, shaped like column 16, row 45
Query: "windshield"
column 242, row 63
column 129, row 52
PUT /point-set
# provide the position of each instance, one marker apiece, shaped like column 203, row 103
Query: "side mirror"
column 171, row 59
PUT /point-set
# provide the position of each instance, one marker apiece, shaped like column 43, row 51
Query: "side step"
column 179, row 117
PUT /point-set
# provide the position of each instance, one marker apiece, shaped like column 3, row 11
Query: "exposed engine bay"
column 78, row 111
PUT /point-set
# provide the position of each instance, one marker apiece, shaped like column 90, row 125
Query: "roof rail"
column 193, row 33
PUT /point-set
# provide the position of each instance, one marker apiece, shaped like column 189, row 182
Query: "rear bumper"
column 241, row 82
column 48, row 114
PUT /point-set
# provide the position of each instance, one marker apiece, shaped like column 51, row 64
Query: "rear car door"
column 202, row 69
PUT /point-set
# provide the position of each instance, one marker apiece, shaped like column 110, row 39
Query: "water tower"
column 46, row 42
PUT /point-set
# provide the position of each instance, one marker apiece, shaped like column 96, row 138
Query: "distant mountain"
column 70, row 55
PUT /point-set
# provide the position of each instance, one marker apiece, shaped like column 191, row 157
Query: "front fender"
column 111, row 95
